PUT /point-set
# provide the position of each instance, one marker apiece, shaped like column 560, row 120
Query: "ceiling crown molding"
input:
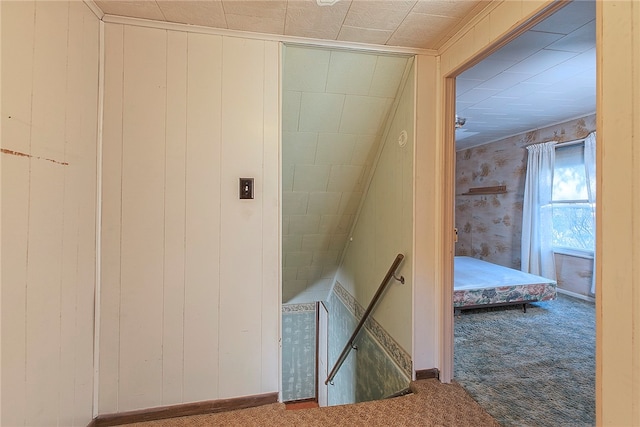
column 148, row 23
column 94, row 8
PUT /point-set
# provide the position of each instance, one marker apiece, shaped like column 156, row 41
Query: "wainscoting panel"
column 298, row 351
column 377, row 369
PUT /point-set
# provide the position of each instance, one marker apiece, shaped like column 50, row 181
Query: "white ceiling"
column 545, row 76
column 423, row 24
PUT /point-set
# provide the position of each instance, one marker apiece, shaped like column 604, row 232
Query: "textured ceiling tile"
column 364, row 150
column 271, row 9
column 364, row 35
column 329, row 271
column 346, row 178
column 324, row 257
column 298, row 259
column 329, row 224
column 304, row 224
column 299, row 147
column 305, row 69
column 387, row 76
column 311, row 178
column 315, row 242
column 309, row 272
column 147, row 9
column 338, row 241
column 335, row 148
column 255, row 24
column 324, row 203
column 382, row 15
column 450, row 8
column 320, row 112
column 294, row 202
column 291, row 243
column 290, row 110
column 266, row 16
column 287, row 177
column 292, row 272
column 420, row 30
column 349, row 203
column 350, row 73
column 306, row 19
column 364, row 114
column 207, row 13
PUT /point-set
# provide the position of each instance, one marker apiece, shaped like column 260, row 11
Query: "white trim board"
column 148, row 23
column 575, row 295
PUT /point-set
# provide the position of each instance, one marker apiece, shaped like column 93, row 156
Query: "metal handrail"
column 350, row 344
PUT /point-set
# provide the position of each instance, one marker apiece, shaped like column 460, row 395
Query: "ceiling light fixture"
column 326, row 2
column 460, row 121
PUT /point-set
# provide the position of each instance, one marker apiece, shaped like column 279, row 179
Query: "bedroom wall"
column 490, row 226
column 190, row 293
column 50, row 54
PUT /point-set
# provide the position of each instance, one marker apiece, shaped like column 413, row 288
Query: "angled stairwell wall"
column 382, row 364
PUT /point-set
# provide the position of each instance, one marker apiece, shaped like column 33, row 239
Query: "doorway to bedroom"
column 536, row 91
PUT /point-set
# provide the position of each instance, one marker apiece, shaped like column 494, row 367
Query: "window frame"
column 567, row 250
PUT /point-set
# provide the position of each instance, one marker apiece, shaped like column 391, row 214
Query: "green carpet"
column 530, row 369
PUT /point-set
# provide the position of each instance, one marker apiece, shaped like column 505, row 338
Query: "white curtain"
column 590, row 168
column 537, row 254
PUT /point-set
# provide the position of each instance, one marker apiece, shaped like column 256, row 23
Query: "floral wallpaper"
column 490, row 226
column 377, row 369
column 298, row 351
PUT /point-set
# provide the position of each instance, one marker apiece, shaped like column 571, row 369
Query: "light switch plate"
column 246, row 188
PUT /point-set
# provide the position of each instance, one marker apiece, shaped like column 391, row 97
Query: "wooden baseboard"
column 425, row 374
column 182, row 410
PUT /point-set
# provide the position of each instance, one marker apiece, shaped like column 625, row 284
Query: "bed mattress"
column 479, row 283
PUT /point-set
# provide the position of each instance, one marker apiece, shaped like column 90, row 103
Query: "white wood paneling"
column 191, row 301
column 241, row 222
column 111, row 220
column 174, row 210
column 82, row 143
column 15, row 231
column 271, row 232
column 48, row 196
column 203, row 204
column 43, row 291
column 47, row 118
column 16, row 128
column 142, row 242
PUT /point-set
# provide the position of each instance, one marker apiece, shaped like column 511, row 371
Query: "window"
column 573, row 214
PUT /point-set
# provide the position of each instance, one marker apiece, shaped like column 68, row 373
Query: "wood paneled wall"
column 50, row 57
column 190, row 293
column 618, row 207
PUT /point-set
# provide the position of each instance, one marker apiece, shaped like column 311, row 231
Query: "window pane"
column 574, row 226
column 569, row 177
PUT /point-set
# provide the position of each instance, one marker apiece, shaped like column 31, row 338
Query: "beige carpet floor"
column 431, row 404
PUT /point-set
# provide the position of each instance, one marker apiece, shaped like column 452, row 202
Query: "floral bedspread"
column 505, row 295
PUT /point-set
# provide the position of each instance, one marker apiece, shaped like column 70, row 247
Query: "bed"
column 479, row 283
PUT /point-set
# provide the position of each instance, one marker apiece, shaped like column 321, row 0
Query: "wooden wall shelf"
column 498, row 189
